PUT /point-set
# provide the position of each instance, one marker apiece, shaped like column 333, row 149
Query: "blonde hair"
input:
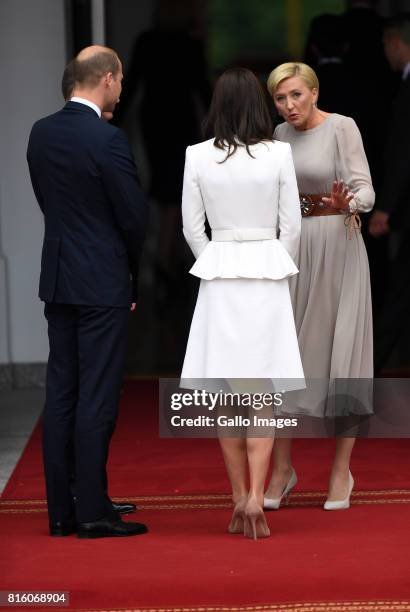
column 291, row 69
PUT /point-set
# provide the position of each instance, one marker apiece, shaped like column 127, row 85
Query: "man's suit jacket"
column 395, row 194
column 95, row 213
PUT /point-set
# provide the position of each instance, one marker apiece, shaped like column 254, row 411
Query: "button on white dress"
column 243, row 325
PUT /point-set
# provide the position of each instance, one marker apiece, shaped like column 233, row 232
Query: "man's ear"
column 108, row 79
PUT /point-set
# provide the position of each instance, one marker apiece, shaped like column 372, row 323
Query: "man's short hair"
column 68, row 80
column 88, row 72
column 400, row 26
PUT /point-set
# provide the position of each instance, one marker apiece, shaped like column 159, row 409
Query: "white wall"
column 32, row 52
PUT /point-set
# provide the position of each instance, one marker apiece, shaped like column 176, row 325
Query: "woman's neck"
column 315, row 118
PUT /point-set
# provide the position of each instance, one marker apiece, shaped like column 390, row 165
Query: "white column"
column 32, row 48
column 98, row 22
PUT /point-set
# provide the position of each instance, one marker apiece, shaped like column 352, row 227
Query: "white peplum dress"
column 243, row 324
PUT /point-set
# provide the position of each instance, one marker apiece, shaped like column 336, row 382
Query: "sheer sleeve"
column 289, row 207
column 352, row 166
column 193, row 209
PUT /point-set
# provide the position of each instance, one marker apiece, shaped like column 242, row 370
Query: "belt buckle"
column 306, row 205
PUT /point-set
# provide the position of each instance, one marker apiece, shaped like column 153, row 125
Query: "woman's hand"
column 339, row 197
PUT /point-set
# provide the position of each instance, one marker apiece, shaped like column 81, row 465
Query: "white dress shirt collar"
column 406, row 71
column 87, row 103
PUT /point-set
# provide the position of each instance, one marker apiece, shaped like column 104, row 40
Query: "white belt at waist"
column 243, row 234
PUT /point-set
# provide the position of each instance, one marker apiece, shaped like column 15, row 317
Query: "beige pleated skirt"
column 331, row 298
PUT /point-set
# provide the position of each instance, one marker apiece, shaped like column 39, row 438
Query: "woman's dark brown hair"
column 239, row 114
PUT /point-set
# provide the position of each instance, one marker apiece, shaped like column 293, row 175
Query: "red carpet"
column 354, row 560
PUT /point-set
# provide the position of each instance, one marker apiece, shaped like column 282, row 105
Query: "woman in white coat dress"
column 243, row 326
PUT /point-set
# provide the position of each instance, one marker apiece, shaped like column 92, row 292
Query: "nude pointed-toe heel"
column 237, row 524
column 255, row 521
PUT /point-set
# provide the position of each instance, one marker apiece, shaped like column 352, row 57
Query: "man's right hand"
column 379, row 224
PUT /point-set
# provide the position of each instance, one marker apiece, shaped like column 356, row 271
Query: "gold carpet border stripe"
column 361, row 502
column 222, row 496
column 348, row 606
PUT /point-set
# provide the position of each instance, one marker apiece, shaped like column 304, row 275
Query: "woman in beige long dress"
column 331, row 295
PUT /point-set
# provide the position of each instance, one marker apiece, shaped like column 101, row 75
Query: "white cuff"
column 353, row 206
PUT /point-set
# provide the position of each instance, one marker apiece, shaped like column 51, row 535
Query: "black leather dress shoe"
column 63, row 528
column 109, row 528
column 127, row 508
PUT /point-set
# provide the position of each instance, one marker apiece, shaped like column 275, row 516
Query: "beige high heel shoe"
column 342, row 504
column 237, row 524
column 255, row 521
column 274, row 504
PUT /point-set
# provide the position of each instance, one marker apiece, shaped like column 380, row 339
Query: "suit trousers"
column 87, row 346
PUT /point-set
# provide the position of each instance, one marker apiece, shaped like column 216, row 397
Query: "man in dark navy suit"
column 67, row 87
column 86, row 184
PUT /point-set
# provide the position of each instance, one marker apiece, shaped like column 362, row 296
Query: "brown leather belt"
column 311, row 205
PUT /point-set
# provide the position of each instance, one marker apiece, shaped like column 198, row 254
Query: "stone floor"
column 19, row 412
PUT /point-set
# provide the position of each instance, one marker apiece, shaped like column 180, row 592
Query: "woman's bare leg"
column 259, row 451
column 234, row 454
column 339, row 477
column 282, row 467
